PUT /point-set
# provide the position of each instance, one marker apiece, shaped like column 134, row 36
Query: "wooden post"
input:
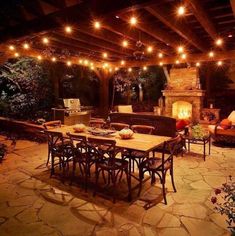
column 104, row 77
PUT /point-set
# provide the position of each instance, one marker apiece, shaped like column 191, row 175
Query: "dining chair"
column 97, row 123
column 143, row 129
column 59, row 148
column 81, row 157
column 118, row 126
column 106, row 161
column 48, row 126
column 138, row 156
column 160, row 166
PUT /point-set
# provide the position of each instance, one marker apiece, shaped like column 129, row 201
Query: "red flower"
column 217, row 191
column 213, row 200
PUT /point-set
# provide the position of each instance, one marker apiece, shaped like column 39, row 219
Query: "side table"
column 199, row 141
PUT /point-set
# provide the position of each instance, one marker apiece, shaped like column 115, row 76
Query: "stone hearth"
column 194, row 97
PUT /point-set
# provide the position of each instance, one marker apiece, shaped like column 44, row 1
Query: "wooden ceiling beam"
column 80, row 37
column 179, row 26
column 120, row 28
column 232, row 3
column 81, row 45
column 203, row 18
column 153, row 31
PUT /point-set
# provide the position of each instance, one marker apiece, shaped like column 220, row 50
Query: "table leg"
column 188, row 145
column 209, row 145
column 204, row 150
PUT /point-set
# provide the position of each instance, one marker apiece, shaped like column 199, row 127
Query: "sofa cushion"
column 226, row 124
column 181, row 124
column 125, row 109
column 231, row 117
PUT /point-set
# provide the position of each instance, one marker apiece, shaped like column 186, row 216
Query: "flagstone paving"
column 34, row 205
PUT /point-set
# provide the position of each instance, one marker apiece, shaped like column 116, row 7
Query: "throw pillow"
column 226, row 124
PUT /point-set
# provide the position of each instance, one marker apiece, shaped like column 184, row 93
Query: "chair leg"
column 128, row 178
column 141, row 177
column 163, row 187
column 48, row 157
column 114, row 179
column 52, row 165
column 73, row 172
column 172, row 179
column 97, row 172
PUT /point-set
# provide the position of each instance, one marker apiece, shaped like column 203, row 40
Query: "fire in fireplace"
column 182, row 110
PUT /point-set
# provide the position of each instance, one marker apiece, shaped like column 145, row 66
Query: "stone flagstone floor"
column 32, row 206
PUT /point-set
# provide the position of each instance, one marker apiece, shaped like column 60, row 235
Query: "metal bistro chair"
column 106, row 162
column 97, row 123
column 160, row 166
column 138, row 156
column 59, row 148
column 118, row 126
column 48, row 126
column 81, row 156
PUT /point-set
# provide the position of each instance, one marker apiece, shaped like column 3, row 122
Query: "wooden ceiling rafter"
column 80, row 37
column 232, row 3
column 203, row 18
column 178, row 26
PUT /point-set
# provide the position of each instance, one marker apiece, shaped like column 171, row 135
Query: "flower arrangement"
column 198, row 132
column 224, row 201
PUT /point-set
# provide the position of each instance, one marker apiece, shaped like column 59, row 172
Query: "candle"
column 211, row 105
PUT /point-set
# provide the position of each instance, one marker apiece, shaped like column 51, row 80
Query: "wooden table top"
column 139, row 142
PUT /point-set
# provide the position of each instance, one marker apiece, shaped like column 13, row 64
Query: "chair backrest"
column 97, row 123
column 171, row 148
column 54, row 138
column 142, row 129
column 118, row 126
column 125, row 108
column 101, row 148
column 52, row 124
column 78, row 143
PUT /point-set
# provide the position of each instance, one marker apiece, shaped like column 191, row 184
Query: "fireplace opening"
column 182, row 110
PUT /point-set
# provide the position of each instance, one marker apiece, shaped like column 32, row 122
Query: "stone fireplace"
column 183, row 98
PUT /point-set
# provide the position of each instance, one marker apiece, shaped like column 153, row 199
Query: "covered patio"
column 117, row 117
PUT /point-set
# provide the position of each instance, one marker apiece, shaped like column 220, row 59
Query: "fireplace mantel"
column 186, row 93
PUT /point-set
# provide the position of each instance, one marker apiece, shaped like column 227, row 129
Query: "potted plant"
column 224, row 201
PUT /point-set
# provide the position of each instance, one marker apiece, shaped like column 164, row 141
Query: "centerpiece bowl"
column 126, row 133
column 79, row 128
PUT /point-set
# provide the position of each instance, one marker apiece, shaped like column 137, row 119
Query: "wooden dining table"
column 138, row 142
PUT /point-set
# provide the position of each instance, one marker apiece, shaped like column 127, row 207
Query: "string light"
column 219, row 63
column 45, row 40
column 211, row 54
column 80, row 61
column 105, row 55
column 69, row 63
column 133, row 20
column 177, row 62
column 91, row 63
column 123, row 62
column 181, row 10
column 198, row 64
column 219, row 42
column 39, row 57
column 180, row 49
column 145, row 68
column 68, row 29
column 160, row 55
column 230, row 36
column 86, row 62
column 92, row 68
column 110, row 70
column 53, row 59
column 124, row 43
column 97, row 25
column 160, row 63
column 149, row 49
column 25, row 46
column 16, row 54
column 116, row 69
column 11, row 47
column 129, row 69
column 183, row 56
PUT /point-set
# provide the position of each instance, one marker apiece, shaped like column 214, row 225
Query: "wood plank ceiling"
column 158, row 28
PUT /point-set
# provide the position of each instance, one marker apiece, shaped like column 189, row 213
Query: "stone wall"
column 183, row 78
